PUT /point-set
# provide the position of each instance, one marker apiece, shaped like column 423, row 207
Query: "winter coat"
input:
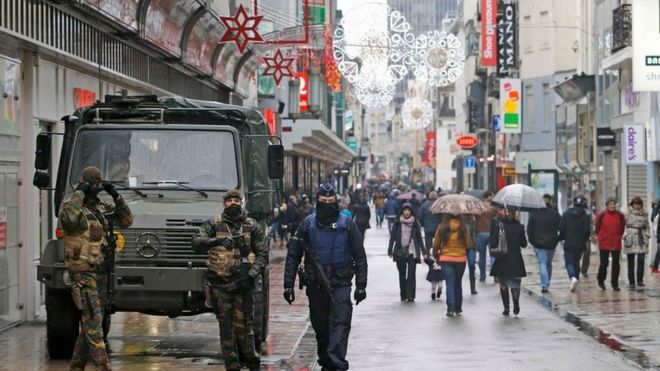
column 391, row 207
column 656, row 212
column 361, row 215
column 637, row 234
column 511, row 265
column 610, row 226
column 395, row 239
column 575, row 229
column 292, row 216
column 427, row 219
column 543, row 228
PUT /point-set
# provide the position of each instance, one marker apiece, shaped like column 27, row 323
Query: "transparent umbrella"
column 520, row 197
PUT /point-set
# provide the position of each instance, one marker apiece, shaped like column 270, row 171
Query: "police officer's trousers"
column 331, row 323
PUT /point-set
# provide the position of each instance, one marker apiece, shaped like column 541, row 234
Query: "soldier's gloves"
column 247, row 282
column 359, row 295
column 289, row 295
column 222, row 241
column 84, row 187
column 109, row 188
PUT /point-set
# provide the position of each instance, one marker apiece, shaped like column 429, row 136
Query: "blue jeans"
column 572, row 262
column 453, row 276
column 545, row 265
column 481, row 243
column 471, row 260
column 380, row 216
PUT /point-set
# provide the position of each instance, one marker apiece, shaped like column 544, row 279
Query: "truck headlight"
column 67, row 279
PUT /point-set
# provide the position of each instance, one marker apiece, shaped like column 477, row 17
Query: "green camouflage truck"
column 172, row 159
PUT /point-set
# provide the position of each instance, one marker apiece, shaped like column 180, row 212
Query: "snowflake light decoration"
column 440, row 58
column 373, row 47
column 241, row 29
column 375, row 97
column 416, row 113
column 278, row 66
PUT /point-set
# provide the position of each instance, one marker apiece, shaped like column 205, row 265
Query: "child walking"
column 435, row 276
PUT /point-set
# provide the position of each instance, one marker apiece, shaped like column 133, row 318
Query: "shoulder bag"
column 501, row 248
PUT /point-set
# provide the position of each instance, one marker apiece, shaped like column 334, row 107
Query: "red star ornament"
column 241, row 29
column 278, row 66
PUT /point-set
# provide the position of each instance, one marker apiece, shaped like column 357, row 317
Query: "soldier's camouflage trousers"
column 90, row 345
column 236, row 327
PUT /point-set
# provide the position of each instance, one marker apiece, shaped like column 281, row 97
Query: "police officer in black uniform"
column 338, row 245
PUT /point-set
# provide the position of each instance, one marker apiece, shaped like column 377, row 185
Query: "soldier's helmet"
column 91, row 175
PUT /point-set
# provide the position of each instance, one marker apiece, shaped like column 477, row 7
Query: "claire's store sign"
column 489, row 33
column 634, row 138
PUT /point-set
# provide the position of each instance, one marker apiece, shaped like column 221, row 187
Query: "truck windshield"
column 197, row 158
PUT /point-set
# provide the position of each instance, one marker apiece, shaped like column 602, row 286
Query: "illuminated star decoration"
column 278, row 67
column 241, row 29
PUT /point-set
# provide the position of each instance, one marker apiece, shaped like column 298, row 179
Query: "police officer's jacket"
column 338, row 246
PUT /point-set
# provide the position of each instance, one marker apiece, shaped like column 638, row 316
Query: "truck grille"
column 169, row 247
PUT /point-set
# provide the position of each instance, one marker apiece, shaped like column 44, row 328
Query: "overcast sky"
column 346, row 5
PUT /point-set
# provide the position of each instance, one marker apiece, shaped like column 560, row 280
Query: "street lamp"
column 294, row 99
column 314, row 90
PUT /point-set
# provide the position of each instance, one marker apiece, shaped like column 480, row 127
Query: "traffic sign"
column 467, row 141
column 469, row 165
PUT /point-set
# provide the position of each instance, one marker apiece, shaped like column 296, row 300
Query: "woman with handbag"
column 450, row 245
column 406, row 248
column 507, row 237
column 636, row 241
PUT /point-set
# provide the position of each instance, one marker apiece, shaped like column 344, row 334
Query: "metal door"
column 10, row 307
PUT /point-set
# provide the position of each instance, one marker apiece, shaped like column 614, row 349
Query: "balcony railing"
column 621, row 27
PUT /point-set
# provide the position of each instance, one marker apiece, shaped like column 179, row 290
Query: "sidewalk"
column 625, row 321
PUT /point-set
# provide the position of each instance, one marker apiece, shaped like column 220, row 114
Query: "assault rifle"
column 321, row 276
column 109, row 263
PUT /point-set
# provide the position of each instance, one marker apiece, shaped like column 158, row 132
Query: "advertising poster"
column 510, row 106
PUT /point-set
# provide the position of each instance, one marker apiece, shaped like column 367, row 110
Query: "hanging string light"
column 440, row 58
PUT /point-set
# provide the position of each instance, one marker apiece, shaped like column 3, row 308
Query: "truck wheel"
column 62, row 323
column 260, row 325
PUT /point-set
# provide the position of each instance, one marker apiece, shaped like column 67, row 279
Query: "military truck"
column 172, row 159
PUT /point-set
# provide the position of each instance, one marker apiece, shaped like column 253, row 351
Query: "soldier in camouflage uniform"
column 237, row 254
column 86, row 234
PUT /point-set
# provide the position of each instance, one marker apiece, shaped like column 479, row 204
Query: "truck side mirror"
column 275, row 161
column 41, row 179
column 42, row 158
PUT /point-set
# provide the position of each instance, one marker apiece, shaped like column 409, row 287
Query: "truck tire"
column 62, row 323
column 260, row 325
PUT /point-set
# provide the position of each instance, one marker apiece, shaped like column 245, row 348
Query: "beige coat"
column 637, row 233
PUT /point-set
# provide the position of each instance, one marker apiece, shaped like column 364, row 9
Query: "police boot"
column 504, row 293
column 473, row 283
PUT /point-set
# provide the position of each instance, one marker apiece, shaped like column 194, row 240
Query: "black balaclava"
column 326, row 214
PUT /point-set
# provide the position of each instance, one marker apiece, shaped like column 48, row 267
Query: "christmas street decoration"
column 241, row 29
column 278, row 66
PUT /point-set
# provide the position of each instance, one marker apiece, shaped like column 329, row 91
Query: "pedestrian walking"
column 586, row 255
column 636, row 241
column 429, row 220
column 292, row 215
column 306, row 208
column 509, row 268
column 391, row 210
column 483, row 234
column 334, row 241
column 543, row 234
column 406, row 248
column 435, row 276
column 574, row 230
column 344, row 208
column 414, row 202
column 379, row 205
column 610, row 225
column 283, row 226
column 87, row 235
column 656, row 258
column 470, row 221
column 237, row 253
column 274, row 226
column 362, row 215
column 451, row 242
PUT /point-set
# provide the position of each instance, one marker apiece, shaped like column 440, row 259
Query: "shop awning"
column 312, row 138
column 575, row 87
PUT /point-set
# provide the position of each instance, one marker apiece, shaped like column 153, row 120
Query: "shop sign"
column 510, row 106
column 304, row 91
column 489, row 33
column 634, row 137
column 348, row 120
column 430, row 149
column 269, row 117
column 509, row 171
column 507, row 55
column 83, row 98
column 352, row 144
column 3, row 228
column 605, row 137
column 475, row 112
column 467, row 141
column 646, row 39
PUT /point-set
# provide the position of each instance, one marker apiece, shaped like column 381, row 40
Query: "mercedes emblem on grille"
column 148, row 245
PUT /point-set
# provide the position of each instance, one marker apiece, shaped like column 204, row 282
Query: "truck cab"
column 171, row 159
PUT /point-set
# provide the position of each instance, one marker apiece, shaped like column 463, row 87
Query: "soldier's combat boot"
column 473, row 289
column 504, row 293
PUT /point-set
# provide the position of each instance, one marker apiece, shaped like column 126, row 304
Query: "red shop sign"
column 467, row 141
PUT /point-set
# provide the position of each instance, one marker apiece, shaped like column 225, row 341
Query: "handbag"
column 401, row 253
column 501, row 248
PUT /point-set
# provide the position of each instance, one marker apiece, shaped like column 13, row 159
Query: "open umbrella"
column 520, row 197
column 478, row 193
column 458, row 205
column 408, row 195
